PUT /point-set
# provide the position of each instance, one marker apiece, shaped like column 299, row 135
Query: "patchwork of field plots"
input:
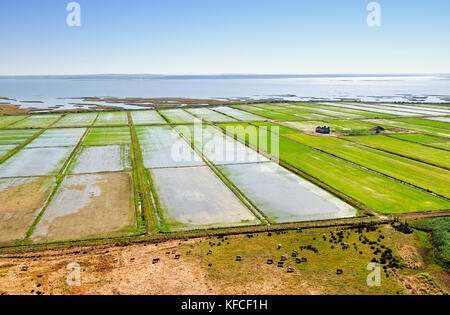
column 375, row 191
column 86, row 176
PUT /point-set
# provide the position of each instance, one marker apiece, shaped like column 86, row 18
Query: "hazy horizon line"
column 216, row 76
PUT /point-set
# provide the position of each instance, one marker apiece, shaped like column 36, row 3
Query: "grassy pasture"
column 426, row 122
column 35, row 121
column 318, row 275
column 418, row 151
column 108, row 135
column 15, row 137
column 352, row 112
column 390, row 124
column 8, row 120
column 343, row 126
column 416, row 173
column 378, row 193
column 424, row 139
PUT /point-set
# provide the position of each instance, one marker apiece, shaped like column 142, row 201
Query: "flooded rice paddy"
column 178, row 116
column 239, row 114
column 147, row 117
column 220, row 148
column 210, row 115
column 112, row 119
column 161, row 146
column 283, row 196
column 98, row 159
column 194, row 197
column 35, row 162
column 76, row 120
column 58, row 138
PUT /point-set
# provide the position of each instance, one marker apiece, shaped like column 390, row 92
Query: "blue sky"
column 216, row 37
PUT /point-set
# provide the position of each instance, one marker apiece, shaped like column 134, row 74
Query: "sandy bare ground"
column 87, row 206
column 128, row 270
column 21, row 201
column 112, row 270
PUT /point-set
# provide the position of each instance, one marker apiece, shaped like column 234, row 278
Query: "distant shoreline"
column 219, row 76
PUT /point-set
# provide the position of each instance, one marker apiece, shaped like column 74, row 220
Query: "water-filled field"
column 147, row 117
column 194, row 197
column 210, row 115
column 98, row 159
column 112, row 119
column 161, row 146
column 283, row 196
column 77, row 120
column 218, row 147
column 58, row 138
column 178, row 116
column 239, row 114
column 35, row 162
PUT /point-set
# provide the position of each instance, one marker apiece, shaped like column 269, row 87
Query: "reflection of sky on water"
column 69, row 93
